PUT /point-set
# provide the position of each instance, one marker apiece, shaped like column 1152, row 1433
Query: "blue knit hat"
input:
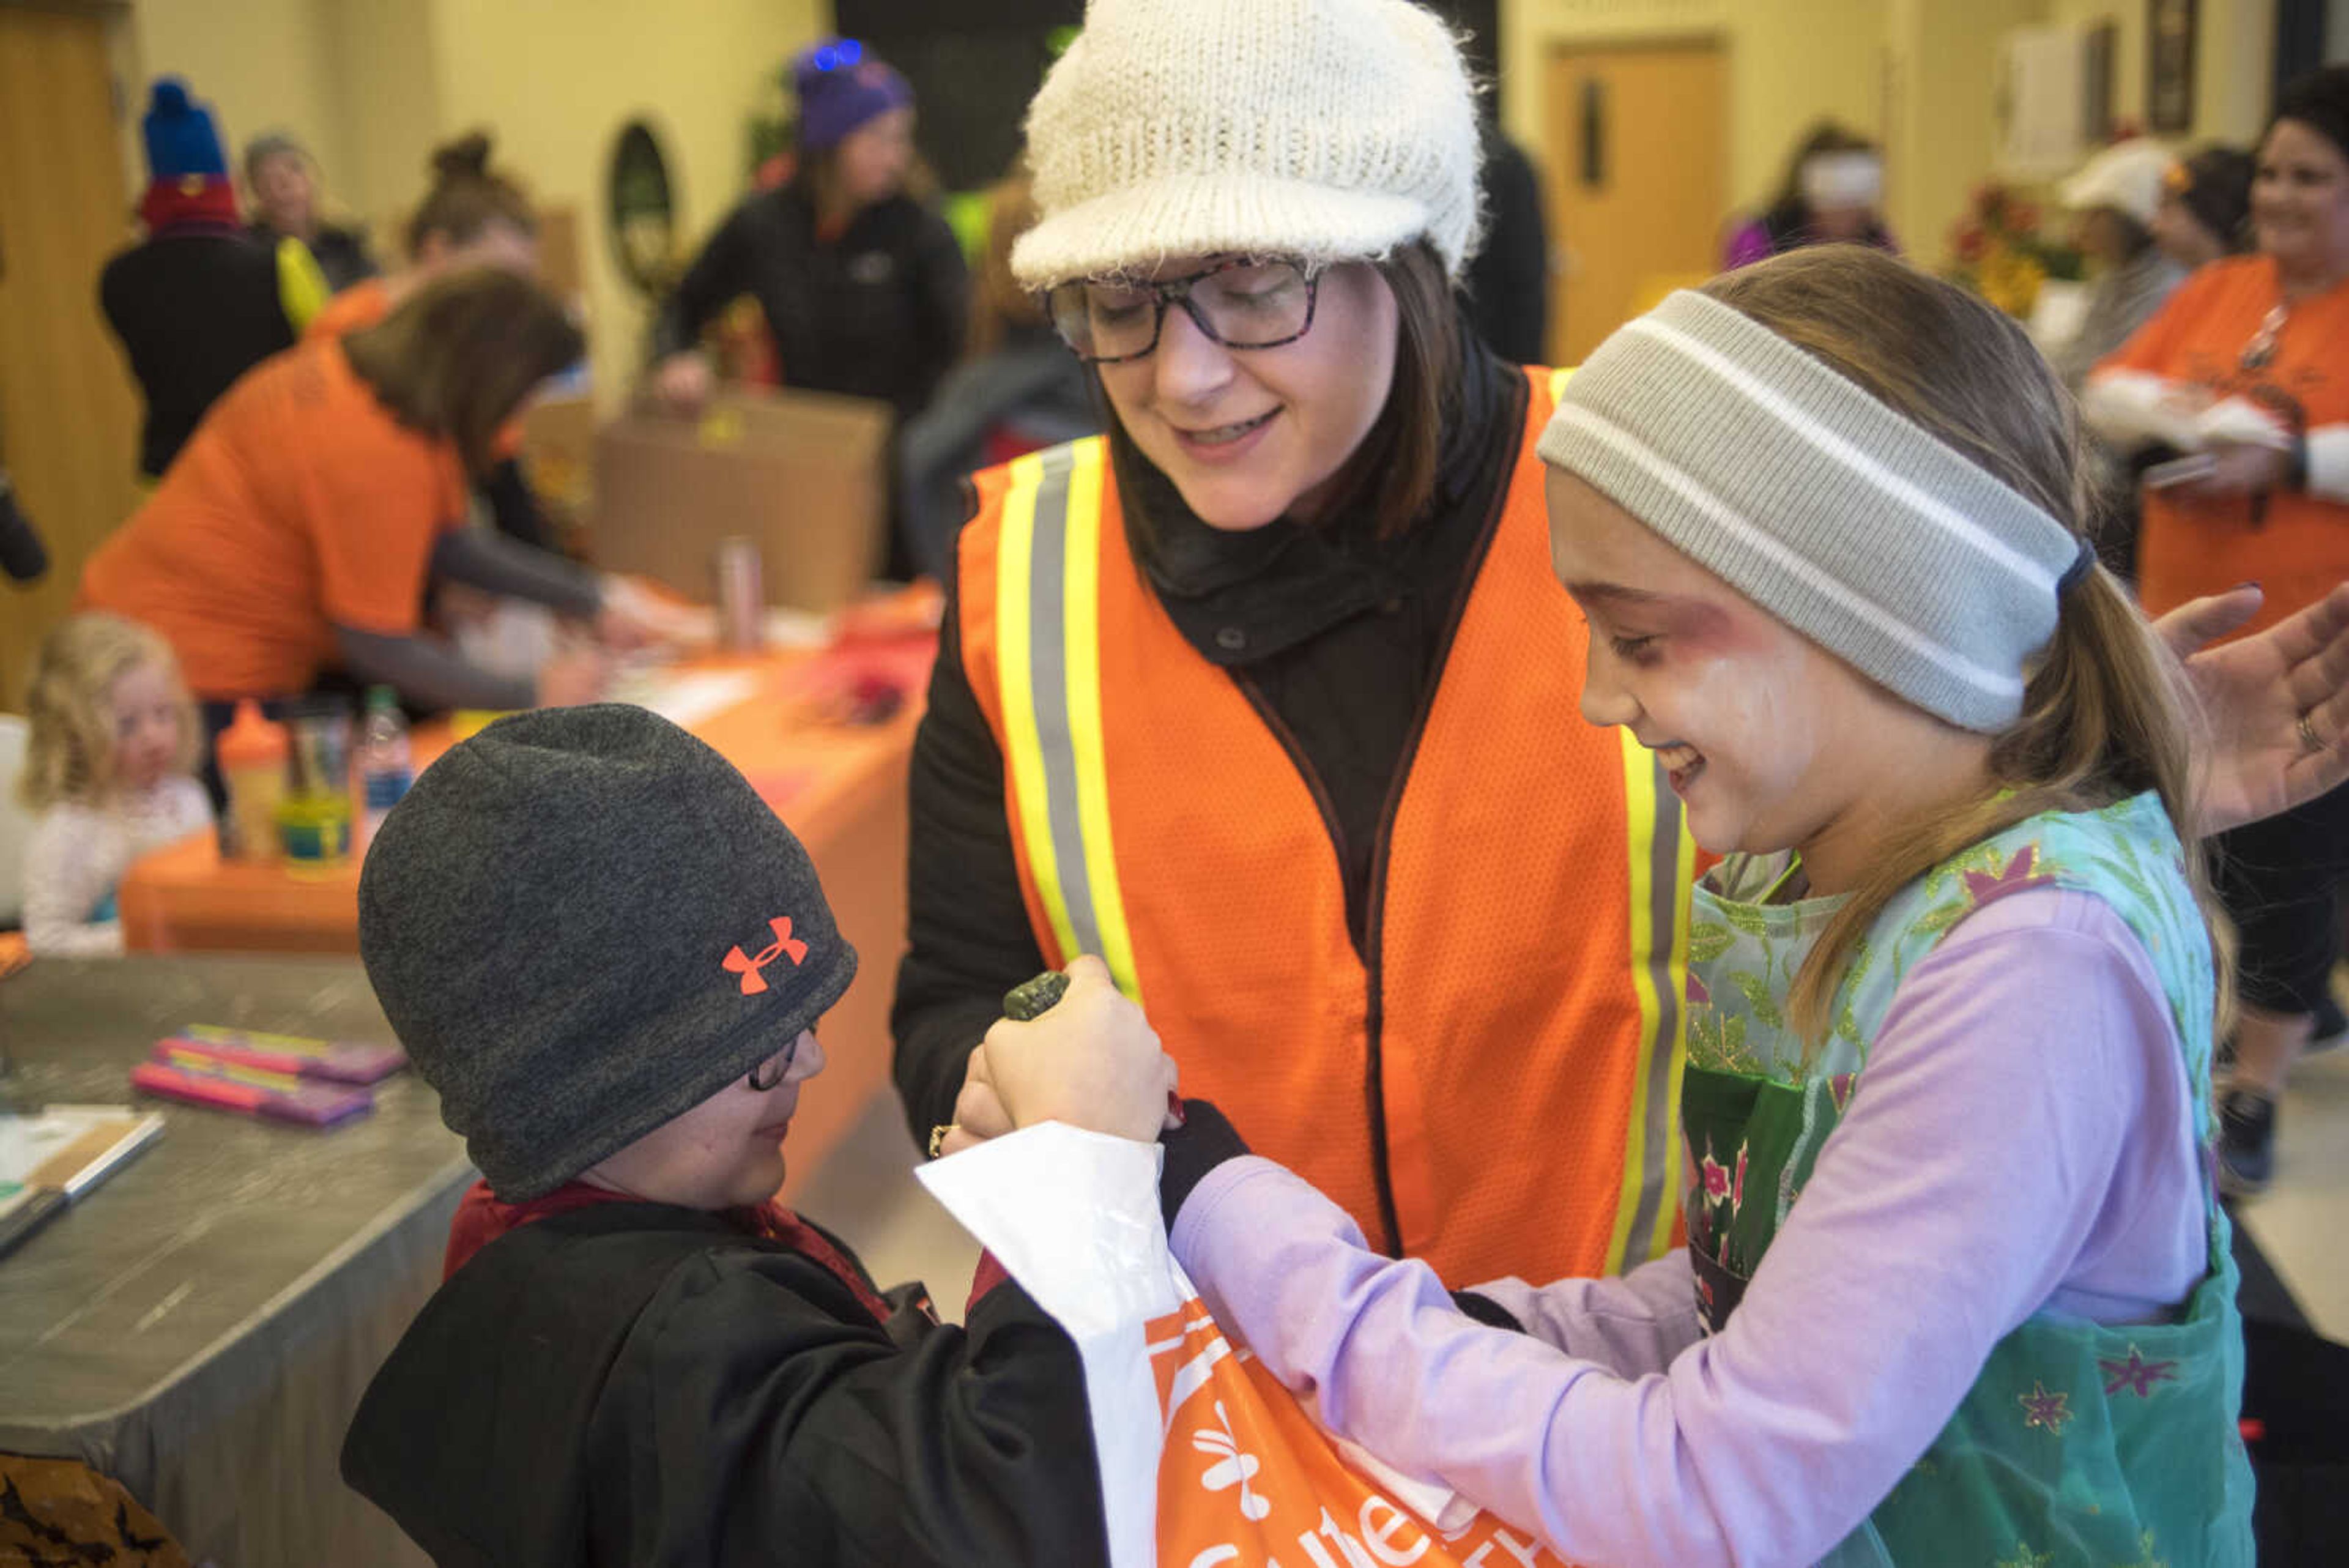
column 181, row 140
column 840, row 87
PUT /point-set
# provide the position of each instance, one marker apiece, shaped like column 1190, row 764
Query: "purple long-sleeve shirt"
column 2022, row 1141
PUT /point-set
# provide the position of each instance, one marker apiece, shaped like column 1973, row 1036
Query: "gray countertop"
column 212, row 1235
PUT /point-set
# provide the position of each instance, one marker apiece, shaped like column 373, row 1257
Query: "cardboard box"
column 558, row 450
column 801, row 472
column 559, row 262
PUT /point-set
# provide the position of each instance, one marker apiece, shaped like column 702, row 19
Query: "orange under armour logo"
column 753, row 983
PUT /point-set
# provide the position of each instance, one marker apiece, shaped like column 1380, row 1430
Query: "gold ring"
column 2308, row 735
column 939, row 1136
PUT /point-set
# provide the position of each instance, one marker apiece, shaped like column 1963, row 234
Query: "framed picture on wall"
column 2169, row 67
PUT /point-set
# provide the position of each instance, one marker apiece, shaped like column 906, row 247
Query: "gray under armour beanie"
column 581, row 923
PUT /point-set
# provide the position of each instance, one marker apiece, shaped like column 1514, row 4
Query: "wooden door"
column 69, row 413
column 1637, row 153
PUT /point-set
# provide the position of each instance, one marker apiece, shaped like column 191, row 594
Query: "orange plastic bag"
column 1205, row 1460
column 1248, row 1477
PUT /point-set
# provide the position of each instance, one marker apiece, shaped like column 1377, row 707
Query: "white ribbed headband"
column 1837, row 515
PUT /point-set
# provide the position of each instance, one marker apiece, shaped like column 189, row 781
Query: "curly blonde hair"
column 69, row 753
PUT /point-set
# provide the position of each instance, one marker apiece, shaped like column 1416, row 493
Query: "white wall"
column 372, row 85
column 558, row 80
column 1790, row 63
column 383, row 68
column 1922, row 75
column 262, row 64
column 2235, row 42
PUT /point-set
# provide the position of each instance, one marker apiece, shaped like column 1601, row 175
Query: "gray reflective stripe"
column 1048, row 672
column 1663, row 923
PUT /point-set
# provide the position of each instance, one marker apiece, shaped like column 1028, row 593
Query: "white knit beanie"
column 1327, row 130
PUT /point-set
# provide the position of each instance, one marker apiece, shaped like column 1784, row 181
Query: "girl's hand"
column 1092, row 1062
column 2256, row 695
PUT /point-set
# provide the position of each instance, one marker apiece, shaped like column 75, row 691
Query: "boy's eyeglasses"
column 761, row 1079
column 1242, row 303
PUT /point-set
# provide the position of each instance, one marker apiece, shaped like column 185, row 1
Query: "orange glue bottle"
column 251, row 756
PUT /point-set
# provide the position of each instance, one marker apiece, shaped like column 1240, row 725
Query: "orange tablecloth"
column 843, row 789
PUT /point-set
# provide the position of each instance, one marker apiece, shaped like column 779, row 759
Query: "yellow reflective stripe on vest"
column 1047, row 658
column 1557, row 380
column 1662, row 859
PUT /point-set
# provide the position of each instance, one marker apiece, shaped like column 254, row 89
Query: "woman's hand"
column 685, row 381
column 2264, row 700
column 573, row 677
column 978, row 1113
column 2240, row 469
column 1093, row 1061
column 637, row 614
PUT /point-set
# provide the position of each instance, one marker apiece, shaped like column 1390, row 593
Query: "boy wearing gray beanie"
column 608, row 956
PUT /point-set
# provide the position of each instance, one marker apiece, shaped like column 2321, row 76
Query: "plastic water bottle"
column 386, row 768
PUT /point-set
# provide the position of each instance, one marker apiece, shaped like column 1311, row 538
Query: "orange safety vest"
column 1493, row 1084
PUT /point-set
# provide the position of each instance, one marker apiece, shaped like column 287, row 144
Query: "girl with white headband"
column 1957, row 1287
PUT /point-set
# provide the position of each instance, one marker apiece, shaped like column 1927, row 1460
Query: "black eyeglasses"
column 763, row 1080
column 1242, row 303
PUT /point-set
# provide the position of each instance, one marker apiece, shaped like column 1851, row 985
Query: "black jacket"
column 194, row 311
column 341, row 254
column 877, row 312
column 1337, row 637
column 1508, row 277
column 637, row 1383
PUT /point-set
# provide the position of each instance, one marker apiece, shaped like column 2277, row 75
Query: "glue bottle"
column 251, row 754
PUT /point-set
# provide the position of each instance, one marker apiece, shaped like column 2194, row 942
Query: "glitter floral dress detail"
column 2080, row 1445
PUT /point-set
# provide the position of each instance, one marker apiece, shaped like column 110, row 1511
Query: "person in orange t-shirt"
column 299, row 527
column 2247, row 365
column 471, row 217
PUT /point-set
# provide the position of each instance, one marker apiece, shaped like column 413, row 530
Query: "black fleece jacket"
column 638, row 1384
column 876, row 311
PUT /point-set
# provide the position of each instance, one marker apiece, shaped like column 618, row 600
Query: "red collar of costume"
column 196, row 200
column 482, row 1218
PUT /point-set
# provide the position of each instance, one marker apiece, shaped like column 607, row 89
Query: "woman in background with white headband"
column 1832, row 192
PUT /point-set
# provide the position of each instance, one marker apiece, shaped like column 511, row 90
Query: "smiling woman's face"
column 1252, row 435
column 2299, row 202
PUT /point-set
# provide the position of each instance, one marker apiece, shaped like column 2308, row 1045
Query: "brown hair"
column 458, row 356
column 1824, row 137
column 1392, row 473
column 999, row 304
column 2105, row 714
column 466, row 197
column 816, row 173
column 69, row 750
